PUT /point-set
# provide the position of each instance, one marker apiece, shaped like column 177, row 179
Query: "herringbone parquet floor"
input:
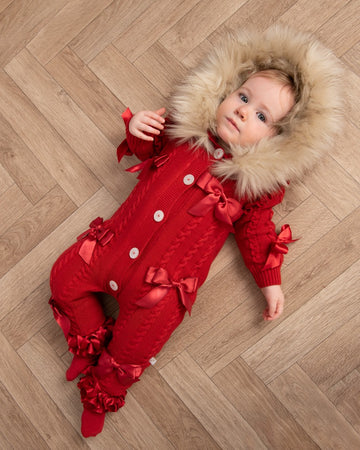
column 226, row 379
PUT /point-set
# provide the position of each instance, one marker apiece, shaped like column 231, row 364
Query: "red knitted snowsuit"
column 152, row 256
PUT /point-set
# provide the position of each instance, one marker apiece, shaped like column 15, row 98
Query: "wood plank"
column 137, row 428
column 334, row 187
column 21, row 21
column 307, row 226
column 150, row 64
column 166, row 12
column 63, row 27
column 307, row 15
column 211, row 307
column 345, row 153
column 335, row 32
column 121, row 77
column 169, row 413
column 295, row 195
column 50, row 372
column 67, row 118
column 352, row 92
column 90, row 94
column 346, row 397
column 34, row 401
column 107, row 26
column 222, row 421
column 16, row 431
column 343, row 346
column 13, row 204
column 313, row 411
column 196, row 25
column 260, row 408
column 253, row 14
column 5, row 180
column 352, row 58
column 25, row 169
column 30, row 316
column 35, row 267
column 45, row 143
column 33, row 226
column 294, row 337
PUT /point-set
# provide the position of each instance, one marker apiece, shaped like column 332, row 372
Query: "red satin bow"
column 60, row 317
column 279, row 248
column 157, row 162
column 226, row 209
column 96, row 233
column 124, row 372
column 160, row 278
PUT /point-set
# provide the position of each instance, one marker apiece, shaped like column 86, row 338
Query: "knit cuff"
column 267, row 277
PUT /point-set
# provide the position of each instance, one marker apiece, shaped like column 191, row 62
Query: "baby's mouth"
column 232, row 122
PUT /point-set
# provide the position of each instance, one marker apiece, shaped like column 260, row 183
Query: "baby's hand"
column 147, row 122
column 275, row 300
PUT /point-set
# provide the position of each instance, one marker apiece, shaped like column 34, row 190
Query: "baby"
column 246, row 116
column 253, row 117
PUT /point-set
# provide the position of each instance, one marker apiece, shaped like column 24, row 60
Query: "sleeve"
column 261, row 247
column 133, row 145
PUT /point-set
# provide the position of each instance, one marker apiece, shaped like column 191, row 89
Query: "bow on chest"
column 226, row 209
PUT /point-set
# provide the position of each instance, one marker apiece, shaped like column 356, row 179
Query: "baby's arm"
column 275, row 300
column 144, row 122
column 137, row 141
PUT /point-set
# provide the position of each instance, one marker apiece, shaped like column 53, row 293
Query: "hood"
column 315, row 119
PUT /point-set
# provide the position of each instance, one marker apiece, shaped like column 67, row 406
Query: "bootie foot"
column 92, row 423
column 78, row 365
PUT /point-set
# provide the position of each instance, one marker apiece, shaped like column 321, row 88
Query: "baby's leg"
column 138, row 335
column 77, row 309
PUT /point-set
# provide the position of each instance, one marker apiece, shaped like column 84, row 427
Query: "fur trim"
column 271, row 163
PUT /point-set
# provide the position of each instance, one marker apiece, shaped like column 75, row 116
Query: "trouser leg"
column 138, row 335
column 77, row 309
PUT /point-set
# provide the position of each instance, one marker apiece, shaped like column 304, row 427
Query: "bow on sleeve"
column 160, row 279
column 144, row 166
column 96, row 233
column 279, row 248
column 227, row 210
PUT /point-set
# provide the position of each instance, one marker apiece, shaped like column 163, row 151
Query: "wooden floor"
column 226, row 379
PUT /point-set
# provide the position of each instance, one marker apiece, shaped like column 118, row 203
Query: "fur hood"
column 271, row 163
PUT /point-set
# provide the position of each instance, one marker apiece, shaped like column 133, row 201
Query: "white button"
column 218, row 153
column 152, row 361
column 159, row 215
column 188, row 179
column 134, row 253
column 113, row 284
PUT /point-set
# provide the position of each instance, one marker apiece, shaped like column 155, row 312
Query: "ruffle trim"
column 92, row 344
column 95, row 399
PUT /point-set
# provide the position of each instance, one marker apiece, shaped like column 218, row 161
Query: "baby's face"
column 249, row 114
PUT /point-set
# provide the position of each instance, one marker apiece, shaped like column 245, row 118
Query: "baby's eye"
column 244, row 98
column 261, row 117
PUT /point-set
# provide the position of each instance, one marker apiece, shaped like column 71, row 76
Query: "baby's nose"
column 242, row 112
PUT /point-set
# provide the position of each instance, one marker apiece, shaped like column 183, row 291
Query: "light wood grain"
column 312, row 410
column 225, row 379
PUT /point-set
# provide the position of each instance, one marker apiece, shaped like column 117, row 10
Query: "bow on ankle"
column 279, row 248
column 227, row 210
column 160, row 278
column 96, row 233
column 124, row 372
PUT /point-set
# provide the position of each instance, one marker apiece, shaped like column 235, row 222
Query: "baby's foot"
column 78, row 365
column 91, row 423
